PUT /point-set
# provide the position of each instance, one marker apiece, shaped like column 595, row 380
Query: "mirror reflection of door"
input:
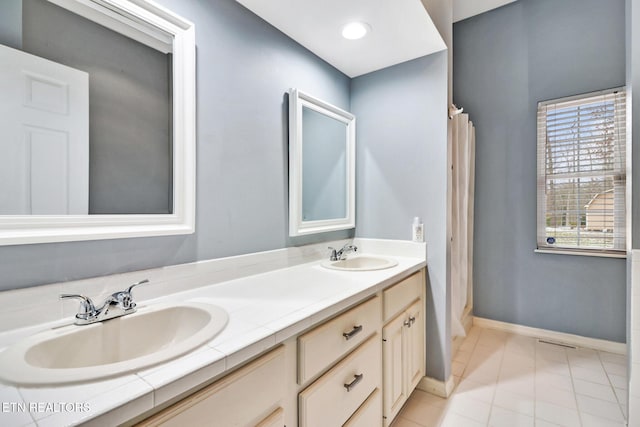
column 130, row 116
column 44, row 149
column 324, row 170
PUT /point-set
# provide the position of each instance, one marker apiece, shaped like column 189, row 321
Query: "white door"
column 44, row 139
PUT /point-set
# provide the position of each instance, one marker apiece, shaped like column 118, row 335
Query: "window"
column 582, row 173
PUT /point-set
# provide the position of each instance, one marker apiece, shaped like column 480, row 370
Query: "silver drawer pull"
column 355, row 331
column 409, row 322
column 356, row 379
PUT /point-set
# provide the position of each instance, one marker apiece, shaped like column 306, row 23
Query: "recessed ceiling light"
column 355, row 30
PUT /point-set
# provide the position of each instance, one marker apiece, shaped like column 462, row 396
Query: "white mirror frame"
column 298, row 227
column 160, row 27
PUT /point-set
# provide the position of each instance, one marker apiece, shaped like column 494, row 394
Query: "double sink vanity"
column 296, row 341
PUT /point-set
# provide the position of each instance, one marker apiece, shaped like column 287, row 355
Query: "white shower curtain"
column 463, row 187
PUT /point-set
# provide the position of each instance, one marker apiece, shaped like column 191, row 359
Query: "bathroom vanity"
column 305, row 344
column 356, row 369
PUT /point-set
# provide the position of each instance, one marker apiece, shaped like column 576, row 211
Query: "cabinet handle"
column 409, row 322
column 355, row 331
column 356, row 379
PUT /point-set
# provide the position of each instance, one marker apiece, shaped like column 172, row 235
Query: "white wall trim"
column 437, row 387
column 561, row 337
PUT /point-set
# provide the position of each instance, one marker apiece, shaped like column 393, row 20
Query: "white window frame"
column 619, row 173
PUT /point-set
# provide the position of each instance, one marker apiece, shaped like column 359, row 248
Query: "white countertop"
column 264, row 310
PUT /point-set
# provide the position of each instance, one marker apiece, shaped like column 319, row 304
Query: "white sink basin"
column 72, row 354
column 361, row 263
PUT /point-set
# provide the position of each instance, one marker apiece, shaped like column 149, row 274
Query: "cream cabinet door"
column 415, row 346
column 403, row 358
column 393, row 367
column 249, row 397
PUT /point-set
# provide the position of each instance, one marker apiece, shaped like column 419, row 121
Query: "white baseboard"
column 560, row 337
column 437, row 387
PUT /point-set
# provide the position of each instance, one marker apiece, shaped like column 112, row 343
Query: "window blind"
column 582, row 172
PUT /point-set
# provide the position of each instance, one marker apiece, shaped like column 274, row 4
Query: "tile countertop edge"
column 269, row 338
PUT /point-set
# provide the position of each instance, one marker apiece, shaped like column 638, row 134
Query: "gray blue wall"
column 11, row 24
column 245, row 68
column 505, row 61
column 402, row 173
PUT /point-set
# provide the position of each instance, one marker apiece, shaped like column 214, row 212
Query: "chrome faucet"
column 342, row 253
column 118, row 304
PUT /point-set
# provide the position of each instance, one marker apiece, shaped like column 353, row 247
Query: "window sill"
column 582, row 253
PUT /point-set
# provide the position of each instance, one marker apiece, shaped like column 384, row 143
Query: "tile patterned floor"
column 511, row 380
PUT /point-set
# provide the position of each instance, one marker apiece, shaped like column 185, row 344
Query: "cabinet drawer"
column 276, row 419
column 328, row 401
column 369, row 414
column 243, row 398
column 325, row 344
column 398, row 297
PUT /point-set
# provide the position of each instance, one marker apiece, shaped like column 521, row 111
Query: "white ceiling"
column 401, row 30
column 463, row 9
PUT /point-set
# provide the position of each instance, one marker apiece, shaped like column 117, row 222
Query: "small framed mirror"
column 322, row 159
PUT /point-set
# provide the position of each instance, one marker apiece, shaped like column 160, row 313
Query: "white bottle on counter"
column 417, row 233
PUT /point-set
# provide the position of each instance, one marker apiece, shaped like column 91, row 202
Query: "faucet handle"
column 125, row 298
column 87, row 309
column 136, row 284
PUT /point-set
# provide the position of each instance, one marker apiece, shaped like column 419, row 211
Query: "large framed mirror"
column 97, row 111
column 322, row 147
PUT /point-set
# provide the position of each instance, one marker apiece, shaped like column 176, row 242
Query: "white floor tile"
column 619, row 381
column 556, row 367
column 537, row 384
column 456, row 420
column 543, row 423
column 403, row 422
column 514, row 402
column 523, row 386
column 621, row 394
column 462, row 356
column 479, row 391
column 429, row 399
column 613, row 358
column 600, row 408
column 504, row 418
column 556, row 396
column 596, row 375
column 598, row 391
column 593, row 421
column 614, row 368
column 457, row 368
column 553, row 380
column 469, row 407
column 423, row 414
column 550, row 352
column 557, row 414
